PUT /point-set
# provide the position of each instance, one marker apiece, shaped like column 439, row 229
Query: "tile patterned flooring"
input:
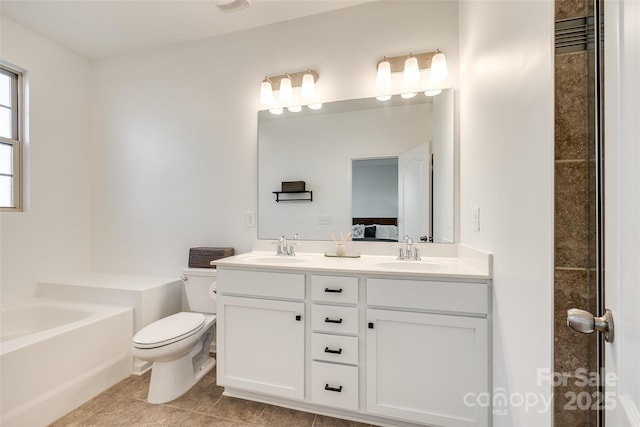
column 125, row 404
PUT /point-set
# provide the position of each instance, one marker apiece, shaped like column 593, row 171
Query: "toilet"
column 178, row 345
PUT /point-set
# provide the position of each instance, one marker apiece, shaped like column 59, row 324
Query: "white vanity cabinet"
column 427, row 351
column 352, row 339
column 265, row 349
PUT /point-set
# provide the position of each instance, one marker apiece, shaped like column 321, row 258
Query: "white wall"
column 506, row 165
column 174, row 132
column 52, row 235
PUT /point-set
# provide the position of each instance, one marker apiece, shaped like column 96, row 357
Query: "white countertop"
column 449, row 261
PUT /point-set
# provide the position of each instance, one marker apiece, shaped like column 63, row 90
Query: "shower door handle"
column 584, row 322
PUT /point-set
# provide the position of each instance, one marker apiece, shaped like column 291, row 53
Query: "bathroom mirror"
column 345, row 153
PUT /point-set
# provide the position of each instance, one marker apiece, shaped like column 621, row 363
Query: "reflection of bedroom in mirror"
column 393, row 196
column 374, row 199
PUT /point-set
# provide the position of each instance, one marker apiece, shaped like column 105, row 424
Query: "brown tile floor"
column 125, row 404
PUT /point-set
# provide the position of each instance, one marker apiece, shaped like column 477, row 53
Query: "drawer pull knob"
column 328, row 350
column 338, row 390
column 298, row 317
column 337, row 291
column 370, row 325
column 327, row 320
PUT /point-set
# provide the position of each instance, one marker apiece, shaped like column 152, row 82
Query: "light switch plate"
column 325, row 220
column 476, row 219
column 250, row 219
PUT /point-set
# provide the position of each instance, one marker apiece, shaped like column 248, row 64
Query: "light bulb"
column 383, row 97
column 432, row 92
column 411, row 71
column 295, row 108
column 315, row 106
column 439, row 69
column 276, row 110
column 286, row 91
column 308, row 89
column 408, row 95
column 383, row 78
column 266, row 93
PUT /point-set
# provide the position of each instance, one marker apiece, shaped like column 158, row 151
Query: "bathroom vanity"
column 372, row 339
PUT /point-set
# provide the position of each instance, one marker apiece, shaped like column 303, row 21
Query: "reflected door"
column 414, row 192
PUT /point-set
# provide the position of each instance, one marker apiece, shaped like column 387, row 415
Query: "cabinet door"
column 427, row 368
column 261, row 345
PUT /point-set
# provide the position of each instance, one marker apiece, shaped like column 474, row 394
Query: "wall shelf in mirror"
column 300, row 198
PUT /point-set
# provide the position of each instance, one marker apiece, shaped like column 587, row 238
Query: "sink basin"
column 276, row 259
column 410, row 265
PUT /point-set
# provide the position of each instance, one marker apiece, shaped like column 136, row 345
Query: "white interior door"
column 414, row 192
column 622, row 210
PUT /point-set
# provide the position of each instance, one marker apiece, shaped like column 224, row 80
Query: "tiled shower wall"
column 574, row 353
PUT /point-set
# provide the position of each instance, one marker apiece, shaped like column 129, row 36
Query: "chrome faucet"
column 409, row 252
column 283, row 248
column 408, row 244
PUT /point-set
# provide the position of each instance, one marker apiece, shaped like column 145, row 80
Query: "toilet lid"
column 169, row 330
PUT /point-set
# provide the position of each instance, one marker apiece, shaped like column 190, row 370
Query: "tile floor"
column 125, row 404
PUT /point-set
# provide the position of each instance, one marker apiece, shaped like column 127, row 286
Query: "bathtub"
column 55, row 355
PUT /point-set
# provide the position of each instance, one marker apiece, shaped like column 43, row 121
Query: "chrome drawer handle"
column 328, row 350
column 337, row 291
column 327, row 320
column 338, row 390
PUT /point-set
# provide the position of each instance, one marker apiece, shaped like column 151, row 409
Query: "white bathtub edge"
column 52, row 405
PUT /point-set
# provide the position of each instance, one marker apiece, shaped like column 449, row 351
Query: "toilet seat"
column 169, row 330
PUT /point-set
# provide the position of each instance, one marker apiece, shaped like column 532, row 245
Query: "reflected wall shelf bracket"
column 300, row 198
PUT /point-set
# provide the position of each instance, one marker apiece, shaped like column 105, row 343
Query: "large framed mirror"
column 380, row 170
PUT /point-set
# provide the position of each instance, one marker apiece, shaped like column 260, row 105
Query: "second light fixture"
column 410, row 66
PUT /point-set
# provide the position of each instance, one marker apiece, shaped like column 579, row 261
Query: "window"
column 11, row 138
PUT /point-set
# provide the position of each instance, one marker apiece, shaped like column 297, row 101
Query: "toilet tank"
column 199, row 284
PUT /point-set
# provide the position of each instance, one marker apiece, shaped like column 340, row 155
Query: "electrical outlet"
column 250, row 219
column 476, row 219
column 325, row 220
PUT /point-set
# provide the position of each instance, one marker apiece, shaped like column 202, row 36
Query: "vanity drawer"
column 331, row 318
column 334, row 289
column 261, row 284
column 334, row 348
column 428, row 295
column 334, row 385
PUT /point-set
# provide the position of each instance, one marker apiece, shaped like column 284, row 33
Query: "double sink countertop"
column 452, row 261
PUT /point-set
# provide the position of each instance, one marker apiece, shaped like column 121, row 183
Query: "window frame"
column 17, row 140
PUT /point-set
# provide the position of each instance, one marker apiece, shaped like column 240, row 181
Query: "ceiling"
column 97, row 29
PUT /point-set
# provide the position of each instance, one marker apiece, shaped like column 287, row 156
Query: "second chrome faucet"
column 409, row 252
column 285, row 248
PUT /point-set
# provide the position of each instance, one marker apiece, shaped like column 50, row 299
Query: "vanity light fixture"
column 432, row 92
column 411, row 73
column 266, row 92
column 308, row 89
column 439, row 69
column 411, row 66
column 383, row 80
column 286, row 90
column 285, row 84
